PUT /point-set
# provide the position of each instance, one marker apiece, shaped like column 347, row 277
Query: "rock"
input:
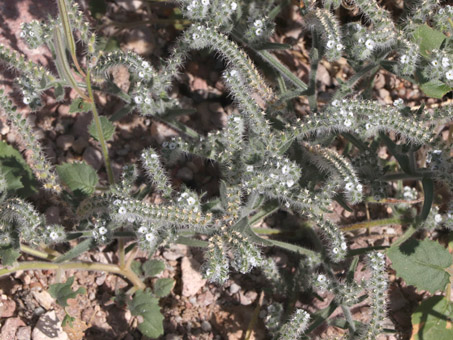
column 130, row 5
column 140, row 40
column 23, row 333
column 247, row 298
column 234, row 288
column 175, row 251
column 65, row 141
column 192, row 280
column 10, row 327
column 206, row 326
column 7, row 308
column 173, row 337
column 93, row 157
column 79, row 145
column 4, row 128
column 48, row 327
column 44, row 299
column 323, row 75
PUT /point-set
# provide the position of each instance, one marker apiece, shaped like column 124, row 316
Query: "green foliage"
column 153, row 268
column 145, row 305
column 108, row 129
column 79, row 177
column 163, row 287
column 63, row 291
column 428, row 39
column 18, row 175
column 9, row 254
column 422, row 264
column 432, row 319
column 79, row 105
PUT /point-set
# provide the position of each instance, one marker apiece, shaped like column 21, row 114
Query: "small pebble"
column 234, row 288
column 206, row 326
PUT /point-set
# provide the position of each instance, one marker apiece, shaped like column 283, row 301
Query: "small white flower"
column 165, row 144
column 233, row 73
column 330, row 44
column 435, row 63
column 141, row 74
column 369, row 44
column 195, row 36
column 259, row 31
column 343, row 245
column 398, row 102
column 145, row 64
column 53, row 235
column 116, row 202
column 335, row 250
column 335, row 103
column 449, row 75
column 258, row 23
column 148, row 100
column 184, row 195
column 445, row 62
column 359, row 187
column 103, row 230
column 349, row 186
column 149, row 237
column 234, row 6
column 142, row 230
column 289, row 183
column 22, row 34
column 154, row 156
column 340, row 47
column 367, row 126
column 172, row 146
column 122, row 210
column 131, row 219
column 361, row 40
column 438, row 218
column 347, row 123
column 191, row 201
column 249, row 168
column 31, row 34
column 27, row 100
column 404, row 59
column 138, row 99
column 321, row 278
column 441, row 11
column 287, row 205
column 205, row 2
column 285, row 170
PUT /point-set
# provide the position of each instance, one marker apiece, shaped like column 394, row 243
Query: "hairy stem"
column 374, row 223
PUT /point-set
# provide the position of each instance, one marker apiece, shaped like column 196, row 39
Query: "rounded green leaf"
column 433, row 320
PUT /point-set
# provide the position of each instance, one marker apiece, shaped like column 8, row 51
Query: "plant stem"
column 121, row 253
column 90, row 266
column 374, row 223
column 100, row 133
column 348, row 316
column 36, row 253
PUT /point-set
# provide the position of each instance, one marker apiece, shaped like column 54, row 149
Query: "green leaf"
column 108, row 129
column 433, row 320
column 8, row 255
column 79, row 105
column 435, row 88
column 421, row 263
column 18, row 175
column 145, row 305
column 152, row 268
column 428, row 39
column 136, row 267
column 59, row 92
column 63, row 291
column 163, row 287
column 79, row 177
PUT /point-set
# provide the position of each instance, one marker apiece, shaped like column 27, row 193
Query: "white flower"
column 445, row 62
column 205, row 2
column 285, row 170
column 234, row 6
column 149, row 237
column 335, row 250
column 131, row 219
column 347, row 123
column 31, row 34
column 343, row 245
column 195, row 36
column 289, row 183
column 141, row 74
column 191, row 201
column 335, row 103
column 349, row 186
column 258, row 23
column 321, row 278
column 233, row 73
column 259, row 31
column 249, row 168
column 404, row 59
column 142, row 230
column 116, row 202
column 449, row 75
column 154, row 156
column 398, row 102
column 340, row 47
column 172, row 146
column 145, row 64
column 148, row 100
column 27, row 100
column 138, row 99
column 435, row 63
column 330, row 44
column 438, row 218
column 103, row 230
column 22, row 34
column 53, row 235
column 122, row 210
column 369, row 44
column 359, row 187
column 361, row 40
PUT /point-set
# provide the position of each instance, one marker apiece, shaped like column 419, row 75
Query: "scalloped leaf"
column 108, row 129
column 63, row 291
column 147, row 307
column 9, row 255
column 152, row 268
column 433, row 320
column 163, row 287
column 421, row 264
column 79, row 177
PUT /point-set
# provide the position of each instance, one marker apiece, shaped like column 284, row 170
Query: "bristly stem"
column 375, row 223
column 99, row 131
